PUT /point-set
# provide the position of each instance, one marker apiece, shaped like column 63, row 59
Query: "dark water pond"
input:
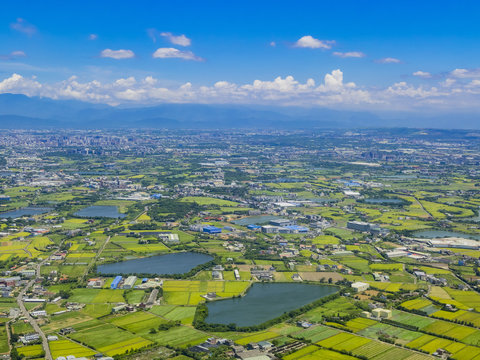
column 169, row 264
column 265, row 301
column 100, row 211
column 26, row 211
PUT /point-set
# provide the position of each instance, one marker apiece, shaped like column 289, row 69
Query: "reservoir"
column 265, row 301
column 26, row 211
column 100, row 211
column 169, row 264
column 431, row 234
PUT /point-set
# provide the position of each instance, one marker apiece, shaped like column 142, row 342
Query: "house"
column 420, row 274
column 95, row 283
column 28, row 338
column 169, row 238
column 296, row 277
column 28, row 273
column 38, row 313
column 442, row 353
column 119, row 308
column 66, row 331
column 265, row 345
column 262, row 275
column 217, row 275
column 304, row 324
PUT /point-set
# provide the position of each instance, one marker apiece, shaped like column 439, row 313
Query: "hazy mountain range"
column 22, row 112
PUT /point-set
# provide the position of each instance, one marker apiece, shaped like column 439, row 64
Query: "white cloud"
column 349, row 54
column 117, row 54
column 466, row 73
column 473, row 83
column 281, row 90
column 309, row 41
column 17, row 84
column 18, row 53
column 388, row 60
column 23, row 26
column 93, row 37
column 13, row 55
column 329, row 90
column 448, row 82
column 422, row 74
column 181, row 40
column 170, row 53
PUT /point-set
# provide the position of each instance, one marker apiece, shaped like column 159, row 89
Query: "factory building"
column 210, row 229
column 115, row 282
column 360, row 286
column 129, row 282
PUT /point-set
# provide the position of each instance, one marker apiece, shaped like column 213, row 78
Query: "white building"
column 382, row 313
column 360, row 286
column 129, row 282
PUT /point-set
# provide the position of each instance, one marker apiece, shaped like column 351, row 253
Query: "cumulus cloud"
column 330, row 90
column 388, row 60
column 422, row 74
column 309, row 41
column 117, row 54
column 19, row 85
column 284, row 90
column 170, row 53
column 349, row 54
column 92, row 37
column 23, row 26
column 466, row 73
column 181, row 40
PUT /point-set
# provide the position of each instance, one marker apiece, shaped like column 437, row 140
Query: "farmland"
column 391, row 234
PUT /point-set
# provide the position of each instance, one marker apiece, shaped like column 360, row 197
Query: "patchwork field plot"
column 178, row 292
column 67, row 347
column 137, row 322
column 100, row 338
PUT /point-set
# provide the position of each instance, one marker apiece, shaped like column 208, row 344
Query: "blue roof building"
column 115, row 282
column 297, row 228
column 210, row 229
column 253, row 227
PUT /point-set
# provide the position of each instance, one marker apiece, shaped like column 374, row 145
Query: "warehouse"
column 115, row 282
column 360, row 286
column 209, row 229
column 129, row 282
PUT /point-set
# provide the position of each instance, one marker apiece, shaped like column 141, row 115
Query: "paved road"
column 31, row 320
column 89, row 267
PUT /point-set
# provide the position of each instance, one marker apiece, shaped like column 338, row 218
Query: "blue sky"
column 379, row 54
